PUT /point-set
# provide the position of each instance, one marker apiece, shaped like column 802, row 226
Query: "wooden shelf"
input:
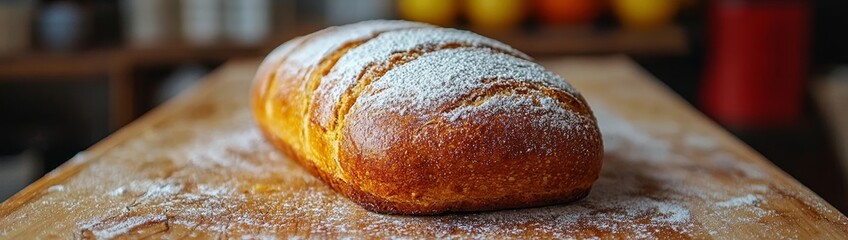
column 670, row 40
column 59, row 66
column 178, row 53
column 100, row 62
column 117, row 66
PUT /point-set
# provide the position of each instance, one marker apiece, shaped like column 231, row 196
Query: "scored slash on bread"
column 408, row 118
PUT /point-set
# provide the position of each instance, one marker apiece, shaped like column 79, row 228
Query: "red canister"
column 757, row 62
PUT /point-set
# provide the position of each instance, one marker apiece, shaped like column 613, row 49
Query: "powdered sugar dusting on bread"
column 442, row 77
column 383, row 46
column 346, row 71
column 541, row 110
column 313, row 51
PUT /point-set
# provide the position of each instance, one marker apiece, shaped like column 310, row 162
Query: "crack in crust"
column 507, row 87
column 314, row 79
column 512, row 86
column 374, row 71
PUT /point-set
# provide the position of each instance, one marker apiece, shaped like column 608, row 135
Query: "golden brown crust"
column 403, row 163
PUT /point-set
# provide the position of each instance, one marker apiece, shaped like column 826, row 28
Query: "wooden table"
column 198, row 167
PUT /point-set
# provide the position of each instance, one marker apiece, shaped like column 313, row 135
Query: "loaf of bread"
column 408, row 118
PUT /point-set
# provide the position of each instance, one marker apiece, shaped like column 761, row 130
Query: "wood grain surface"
column 198, row 168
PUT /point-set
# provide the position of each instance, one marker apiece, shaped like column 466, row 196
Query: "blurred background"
column 773, row 72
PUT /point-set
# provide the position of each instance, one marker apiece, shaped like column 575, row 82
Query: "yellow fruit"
column 645, row 14
column 438, row 12
column 494, row 15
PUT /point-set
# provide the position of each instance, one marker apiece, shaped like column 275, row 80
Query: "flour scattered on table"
column 118, row 191
column 159, row 189
column 107, row 231
column 214, row 190
column 56, row 188
column 702, row 142
column 749, row 199
column 620, row 135
column 225, row 177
